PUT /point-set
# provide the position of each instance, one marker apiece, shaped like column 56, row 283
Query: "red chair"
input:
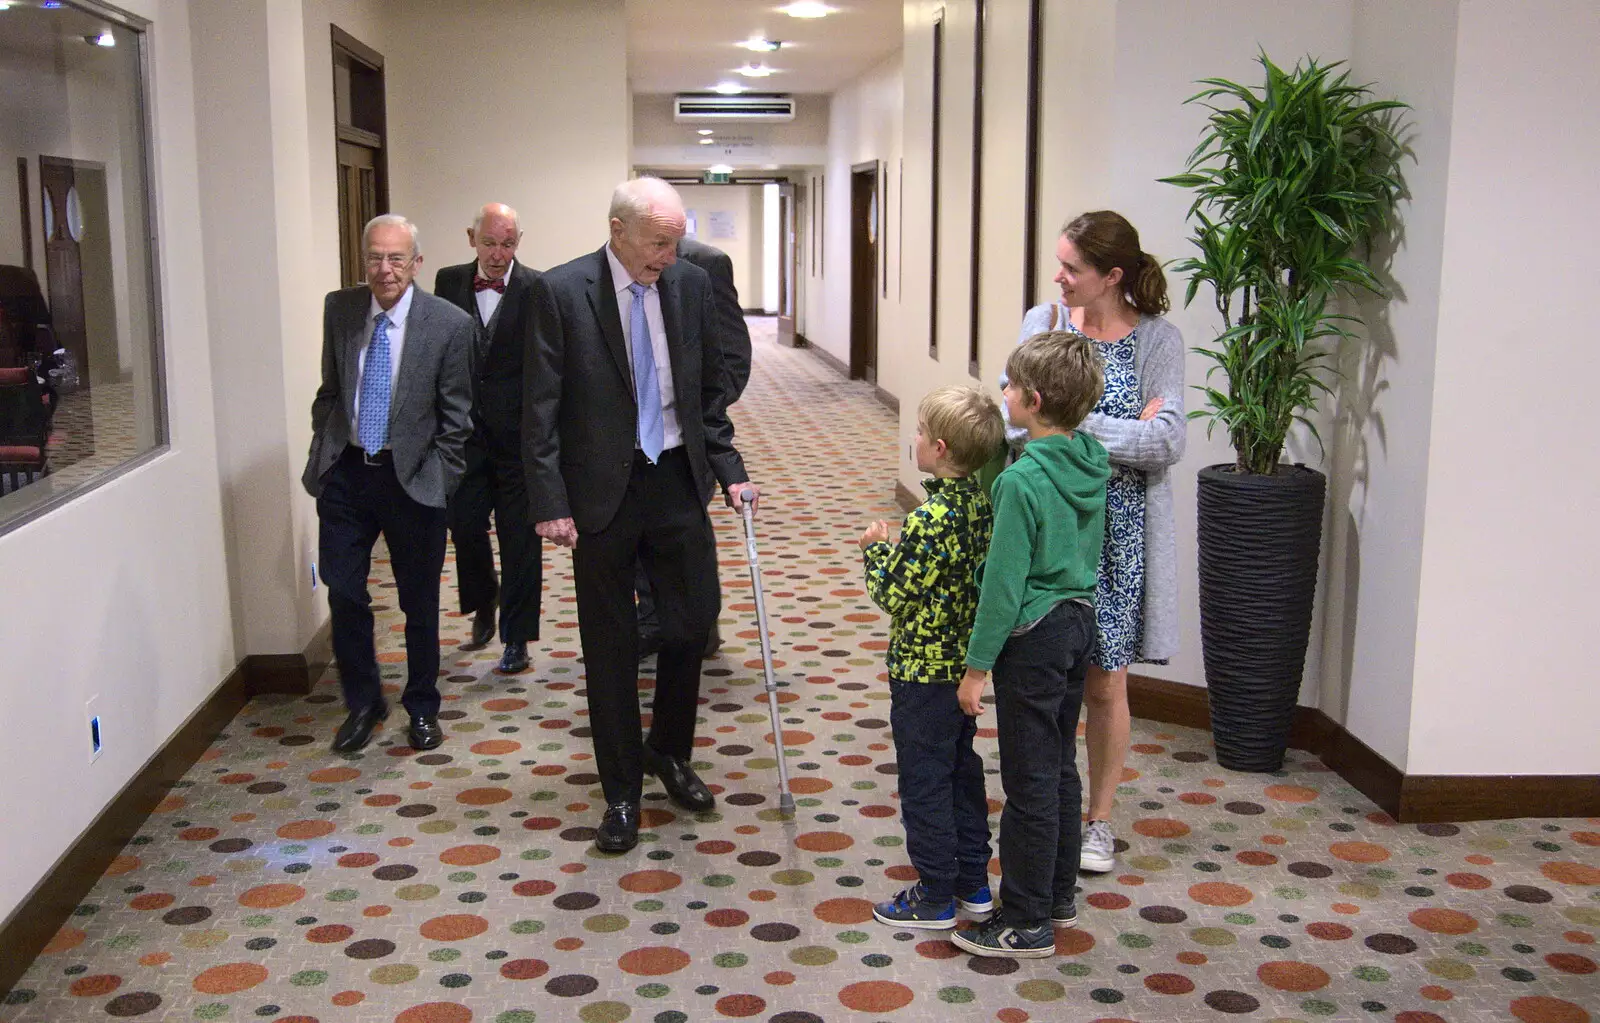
column 26, row 411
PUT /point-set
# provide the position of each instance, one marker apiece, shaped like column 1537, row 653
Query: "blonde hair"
column 1064, row 370
column 969, row 423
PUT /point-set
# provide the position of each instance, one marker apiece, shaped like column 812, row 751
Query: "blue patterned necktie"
column 647, row 390
column 373, row 426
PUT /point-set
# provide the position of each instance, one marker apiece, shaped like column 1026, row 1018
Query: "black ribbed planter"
column 1259, row 541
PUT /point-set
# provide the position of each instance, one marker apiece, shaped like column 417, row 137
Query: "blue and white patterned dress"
column 1119, row 592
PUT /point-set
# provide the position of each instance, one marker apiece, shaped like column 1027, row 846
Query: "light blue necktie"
column 647, row 391
column 373, row 427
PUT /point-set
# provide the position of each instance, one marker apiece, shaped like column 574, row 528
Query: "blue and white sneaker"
column 977, row 904
column 998, row 940
column 914, row 908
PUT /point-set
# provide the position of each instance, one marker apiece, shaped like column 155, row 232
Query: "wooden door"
column 358, row 203
column 63, row 260
column 864, row 240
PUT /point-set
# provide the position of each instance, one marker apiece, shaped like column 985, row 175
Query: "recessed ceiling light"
column 703, row 131
column 807, row 9
column 754, row 71
column 708, row 142
column 720, row 168
column 727, row 88
column 5, row 5
column 756, row 44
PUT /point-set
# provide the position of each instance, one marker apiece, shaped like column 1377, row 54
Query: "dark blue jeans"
column 1038, row 690
column 942, row 802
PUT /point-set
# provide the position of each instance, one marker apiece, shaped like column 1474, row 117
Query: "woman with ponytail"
column 1114, row 293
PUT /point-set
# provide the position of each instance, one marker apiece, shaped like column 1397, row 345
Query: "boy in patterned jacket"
column 927, row 582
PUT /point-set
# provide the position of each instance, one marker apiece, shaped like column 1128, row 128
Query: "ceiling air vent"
column 749, row 107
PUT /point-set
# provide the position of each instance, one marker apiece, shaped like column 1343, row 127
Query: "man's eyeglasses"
column 393, row 261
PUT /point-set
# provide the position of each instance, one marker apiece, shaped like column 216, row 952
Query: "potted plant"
column 1292, row 179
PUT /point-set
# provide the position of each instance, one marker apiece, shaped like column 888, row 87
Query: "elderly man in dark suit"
column 494, row 290
column 733, row 337
column 625, row 429
column 388, row 429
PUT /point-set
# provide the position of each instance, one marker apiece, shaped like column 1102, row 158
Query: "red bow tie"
column 483, row 283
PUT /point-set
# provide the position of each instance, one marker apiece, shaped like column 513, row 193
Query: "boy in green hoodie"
column 1034, row 629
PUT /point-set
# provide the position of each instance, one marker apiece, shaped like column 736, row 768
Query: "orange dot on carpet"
column 875, row 996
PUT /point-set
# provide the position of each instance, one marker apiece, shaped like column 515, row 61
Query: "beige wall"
column 744, row 249
column 559, row 145
column 137, row 613
column 1504, row 678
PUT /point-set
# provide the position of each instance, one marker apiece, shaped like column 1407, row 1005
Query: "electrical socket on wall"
column 97, row 735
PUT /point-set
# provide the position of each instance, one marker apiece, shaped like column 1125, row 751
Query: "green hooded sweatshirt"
column 1049, row 524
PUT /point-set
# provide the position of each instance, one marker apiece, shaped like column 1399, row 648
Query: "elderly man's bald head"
column 647, row 219
column 494, row 233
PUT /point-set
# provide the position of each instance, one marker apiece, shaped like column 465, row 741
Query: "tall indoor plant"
column 1292, row 179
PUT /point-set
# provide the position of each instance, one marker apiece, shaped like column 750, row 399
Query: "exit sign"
column 717, row 178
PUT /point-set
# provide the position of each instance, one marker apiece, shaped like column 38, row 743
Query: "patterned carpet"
column 280, row 882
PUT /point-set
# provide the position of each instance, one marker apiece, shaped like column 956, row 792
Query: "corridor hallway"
column 281, row 882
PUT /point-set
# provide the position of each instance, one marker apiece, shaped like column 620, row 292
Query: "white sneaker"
column 1099, row 852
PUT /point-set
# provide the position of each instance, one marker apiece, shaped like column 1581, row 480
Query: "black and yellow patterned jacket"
column 928, row 582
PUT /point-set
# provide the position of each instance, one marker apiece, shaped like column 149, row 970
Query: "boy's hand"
column 875, row 533
column 970, row 693
column 1151, row 408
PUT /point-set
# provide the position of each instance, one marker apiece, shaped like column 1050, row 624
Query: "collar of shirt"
column 398, row 312
column 477, row 271
column 620, row 277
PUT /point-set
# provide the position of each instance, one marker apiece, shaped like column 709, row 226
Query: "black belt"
column 383, row 457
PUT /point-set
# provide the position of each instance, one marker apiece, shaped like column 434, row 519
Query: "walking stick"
column 785, row 799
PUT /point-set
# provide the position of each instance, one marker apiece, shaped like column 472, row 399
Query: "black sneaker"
column 998, row 940
column 1064, row 914
column 913, row 908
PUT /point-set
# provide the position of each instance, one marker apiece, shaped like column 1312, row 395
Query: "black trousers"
column 648, row 627
column 663, row 527
column 942, row 799
column 1038, row 690
column 494, row 483
column 359, row 501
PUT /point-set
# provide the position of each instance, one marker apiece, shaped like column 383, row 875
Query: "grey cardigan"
column 1152, row 446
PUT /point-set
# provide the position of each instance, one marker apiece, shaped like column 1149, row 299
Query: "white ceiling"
column 688, row 45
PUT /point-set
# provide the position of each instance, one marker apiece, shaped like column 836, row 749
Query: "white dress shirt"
column 397, row 342
column 671, row 434
column 488, row 298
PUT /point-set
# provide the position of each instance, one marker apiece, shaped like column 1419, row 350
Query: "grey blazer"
column 430, row 414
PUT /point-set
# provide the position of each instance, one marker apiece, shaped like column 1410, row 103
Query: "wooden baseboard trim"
column 51, row 903
column 293, row 674
column 905, row 498
column 886, row 399
column 833, row 361
column 1408, row 798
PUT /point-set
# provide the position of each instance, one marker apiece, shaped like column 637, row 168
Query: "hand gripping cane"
column 785, row 799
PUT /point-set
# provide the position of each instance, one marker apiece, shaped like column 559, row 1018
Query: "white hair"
column 502, row 211
column 636, row 197
column 391, row 220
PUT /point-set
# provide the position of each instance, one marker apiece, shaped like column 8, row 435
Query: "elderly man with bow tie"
column 493, row 289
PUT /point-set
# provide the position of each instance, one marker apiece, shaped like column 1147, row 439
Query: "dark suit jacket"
column 497, row 356
column 579, row 416
column 430, row 411
column 733, row 334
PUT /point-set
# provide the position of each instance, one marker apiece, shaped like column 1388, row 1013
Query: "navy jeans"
column 942, row 802
column 1038, row 691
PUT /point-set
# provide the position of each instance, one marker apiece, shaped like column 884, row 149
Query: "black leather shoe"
column 425, row 733
column 514, row 660
column 482, row 630
column 619, row 828
column 358, row 727
column 679, row 779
